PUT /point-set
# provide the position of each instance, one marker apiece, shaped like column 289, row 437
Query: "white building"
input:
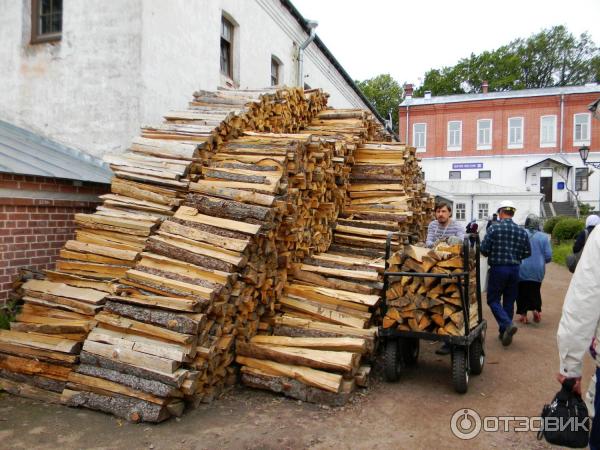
column 88, row 74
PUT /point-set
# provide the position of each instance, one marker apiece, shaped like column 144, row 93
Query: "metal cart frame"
column 401, row 348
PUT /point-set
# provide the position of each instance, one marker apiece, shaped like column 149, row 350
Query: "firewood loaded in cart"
column 433, row 294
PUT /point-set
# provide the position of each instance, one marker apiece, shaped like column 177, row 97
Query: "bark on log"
column 228, row 209
column 162, row 248
column 141, row 384
column 132, row 409
column 41, row 382
column 171, row 321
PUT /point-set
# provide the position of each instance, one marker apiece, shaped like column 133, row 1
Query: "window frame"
column 588, row 125
column 222, row 39
column 454, row 148
column 479, row 177
column 460, row 207
column 481, row 216
column 480, row 145
column 522, row 142
column 554, row 141
column 37, row 37
column 414, row 136
column 450, row 172
column 276, row 62
column 579, row 188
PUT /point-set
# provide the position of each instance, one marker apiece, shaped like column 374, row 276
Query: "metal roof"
column 26, row 153
column 523, row 93
column 474, row 187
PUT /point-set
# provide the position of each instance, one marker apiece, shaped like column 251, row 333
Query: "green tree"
column 552, row 57
column 385, row 94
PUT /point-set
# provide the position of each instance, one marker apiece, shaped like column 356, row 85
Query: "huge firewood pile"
column 431, row 304
column 192, row 254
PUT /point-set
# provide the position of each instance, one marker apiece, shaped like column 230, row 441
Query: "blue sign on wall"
column 560, row 185
column 467, row 165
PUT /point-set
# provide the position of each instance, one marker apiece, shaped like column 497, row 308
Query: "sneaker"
column 443, row 350
column 537, row 316
column 508, row 334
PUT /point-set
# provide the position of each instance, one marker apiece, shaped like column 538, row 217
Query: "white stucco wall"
column 123, row 63
column 510, row 171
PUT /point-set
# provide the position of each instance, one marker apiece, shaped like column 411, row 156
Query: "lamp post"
column 584, row 152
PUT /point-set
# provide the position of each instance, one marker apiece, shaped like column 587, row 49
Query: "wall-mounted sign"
column 560, row 185
column 467, row 165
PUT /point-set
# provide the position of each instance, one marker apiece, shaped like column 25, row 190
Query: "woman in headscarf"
column 590, row 223
column 532, row 271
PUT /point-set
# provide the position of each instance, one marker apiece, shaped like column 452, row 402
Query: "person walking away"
column 505, row 244
column 472, row 229
column 590, row 223
column 580, row 324
column 443, row 226
column 492, row 221
column 532, row 271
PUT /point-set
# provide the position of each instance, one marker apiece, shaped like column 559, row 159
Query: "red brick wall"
column 436, row 116
column 33, row 230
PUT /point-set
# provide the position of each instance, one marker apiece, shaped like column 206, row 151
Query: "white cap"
column 507, row 204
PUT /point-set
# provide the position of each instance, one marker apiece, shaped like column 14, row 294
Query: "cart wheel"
column 410, row 351
column 392, row 365
column 460, row 374
column 476, row 356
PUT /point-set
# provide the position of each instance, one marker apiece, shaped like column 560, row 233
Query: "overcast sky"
column 405, row 39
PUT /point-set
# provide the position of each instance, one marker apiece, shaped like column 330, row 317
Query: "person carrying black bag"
column 580, row 324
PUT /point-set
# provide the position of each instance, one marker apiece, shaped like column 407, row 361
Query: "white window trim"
column 589, row 128
column 455, row 148
column 485, row 146
column 548, row 144
column 424, row 148
column 519, row 145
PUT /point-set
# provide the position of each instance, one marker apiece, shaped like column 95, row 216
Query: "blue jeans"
column 595, row 434
column 503, row 286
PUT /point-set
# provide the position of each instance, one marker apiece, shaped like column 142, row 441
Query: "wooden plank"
column 323, row 313
column 356, row 274
column 128, row 356
column 63, row 290
column 347, row 344
column 192, row 215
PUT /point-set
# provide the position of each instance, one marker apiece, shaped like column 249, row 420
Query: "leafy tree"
column 385, row 94
column 552, row 57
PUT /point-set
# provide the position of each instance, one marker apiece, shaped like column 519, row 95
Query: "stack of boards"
column 426, row 303
column 189, row 257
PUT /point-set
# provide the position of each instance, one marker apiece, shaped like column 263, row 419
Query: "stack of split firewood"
column 428, row 303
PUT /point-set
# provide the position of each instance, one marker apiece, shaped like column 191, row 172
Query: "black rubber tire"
column 460, row 374
column 476, row 356
column 410, row 351
column 392, row 364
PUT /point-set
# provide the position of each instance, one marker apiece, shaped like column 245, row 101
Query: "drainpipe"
column 312, row 25
column 407, row 141
column 562, row 120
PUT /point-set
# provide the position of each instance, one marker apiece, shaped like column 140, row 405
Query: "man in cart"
column 443, row 228
column 506, row 244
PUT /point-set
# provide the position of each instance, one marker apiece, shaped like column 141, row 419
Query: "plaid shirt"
column 506, row 244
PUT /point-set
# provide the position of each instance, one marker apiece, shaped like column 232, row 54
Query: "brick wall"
column 33, row 228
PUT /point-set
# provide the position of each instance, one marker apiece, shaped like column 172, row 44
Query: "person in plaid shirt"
column 506, row 244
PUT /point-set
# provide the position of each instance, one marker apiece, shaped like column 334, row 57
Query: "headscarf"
column 592, row 221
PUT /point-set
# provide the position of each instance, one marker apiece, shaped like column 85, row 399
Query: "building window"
column 454, row 175
column 515, row 132
column 275, row 71
column 46, row 20
column 483, row 210
column 581, row 129
column 484, row 134
column 485, row 174
column 581, row 179
column 460, row 210
column 420, row 136
column 548, row 131
column 226, row 47
column 454, row 135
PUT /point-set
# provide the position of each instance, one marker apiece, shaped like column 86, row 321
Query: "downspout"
column 562, row 121
column 472, row 207
column 312, row 25
column 407, row 141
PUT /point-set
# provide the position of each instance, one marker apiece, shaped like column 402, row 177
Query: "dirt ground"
column 414, row 413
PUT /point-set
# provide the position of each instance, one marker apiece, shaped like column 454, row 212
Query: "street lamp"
column 584, row 152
